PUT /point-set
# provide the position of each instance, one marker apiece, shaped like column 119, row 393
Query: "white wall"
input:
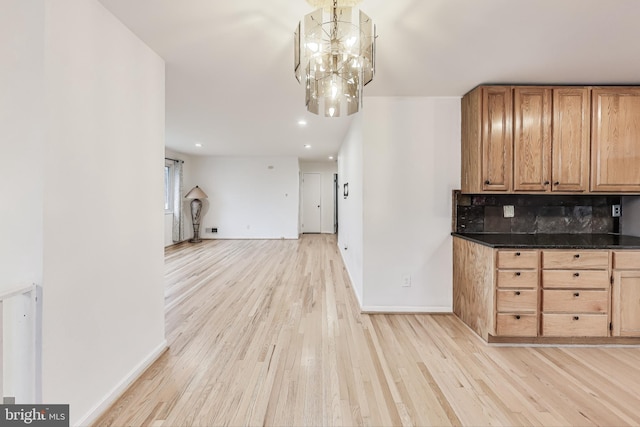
column 402, row 161
column 411, row 166
column 21, row 177
column 630, row 219
column 249, row 197
column 350, row 223
column 21, row 136
column 327, row 202
column 103, row 313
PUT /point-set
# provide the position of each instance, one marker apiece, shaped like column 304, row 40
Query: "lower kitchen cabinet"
column 538, row 295
column 575, row 293
column 517, row 293
column 625, row 294
column 575, row 325
column 516, row 325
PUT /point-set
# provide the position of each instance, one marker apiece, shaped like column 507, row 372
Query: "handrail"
column 15, row 290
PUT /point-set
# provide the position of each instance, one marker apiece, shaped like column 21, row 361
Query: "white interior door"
column 311, row 202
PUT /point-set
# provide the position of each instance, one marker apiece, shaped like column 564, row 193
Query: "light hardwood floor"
column 269, row 333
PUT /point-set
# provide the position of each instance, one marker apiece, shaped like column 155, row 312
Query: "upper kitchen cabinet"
column 532, row 139
column 570, row 140
column 615, row 139
column 551, row 139
column 487, row 144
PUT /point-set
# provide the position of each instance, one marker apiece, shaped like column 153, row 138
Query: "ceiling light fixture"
column 198, row 145
column 307, row 146
column 334, row 56
column 302, row 122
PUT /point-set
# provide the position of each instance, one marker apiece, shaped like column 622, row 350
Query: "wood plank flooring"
column 269, row 333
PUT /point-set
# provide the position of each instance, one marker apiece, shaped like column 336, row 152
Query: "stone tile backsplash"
column 535, row 214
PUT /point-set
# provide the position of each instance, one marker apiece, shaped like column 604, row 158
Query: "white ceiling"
column 229, row 76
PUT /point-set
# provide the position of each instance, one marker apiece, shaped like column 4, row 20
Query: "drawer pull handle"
column 517, row 253
column 576, row 274
column 517, row 292
column 576, row 318
column 576, row 256
column 577, row 294
column 517, row 317
column 517, row 273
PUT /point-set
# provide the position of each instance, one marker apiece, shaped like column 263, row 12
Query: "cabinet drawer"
column 575, row 259
column 575, row 301
column 598, row 279
column 517, row 279
column 517, row 300
column 517, row 259
column 575, row 325
column 516, row 325
column 626, row 259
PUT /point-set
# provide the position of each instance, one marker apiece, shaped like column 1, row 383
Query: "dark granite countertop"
column 553, row 241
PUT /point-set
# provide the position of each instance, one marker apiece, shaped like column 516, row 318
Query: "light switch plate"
column 508, row 211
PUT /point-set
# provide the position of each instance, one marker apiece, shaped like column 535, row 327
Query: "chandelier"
column 334, row 56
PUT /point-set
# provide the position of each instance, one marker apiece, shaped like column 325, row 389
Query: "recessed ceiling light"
column 307, row 146
column 302, row 122
column 330, row 157
column 198, row 145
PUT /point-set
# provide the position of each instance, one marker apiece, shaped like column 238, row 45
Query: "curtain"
column 178, row 217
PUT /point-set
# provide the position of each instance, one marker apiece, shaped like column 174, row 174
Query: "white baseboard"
column 370, row 309
column 353, row 288
column 98, row 410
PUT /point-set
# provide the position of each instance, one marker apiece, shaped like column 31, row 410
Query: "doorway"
column 311, row 203
column 335, row 201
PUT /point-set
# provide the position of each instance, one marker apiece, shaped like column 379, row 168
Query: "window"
column 168, row 186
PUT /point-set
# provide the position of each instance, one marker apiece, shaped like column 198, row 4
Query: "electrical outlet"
column 508, row 211
column 616, row 211
column 406, row 280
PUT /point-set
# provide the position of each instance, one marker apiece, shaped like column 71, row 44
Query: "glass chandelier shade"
column 334, row 57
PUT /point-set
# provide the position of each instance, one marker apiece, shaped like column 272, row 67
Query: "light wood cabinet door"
column 625, row 294
column 516, row 325
column 575, row 279
column 570, row 140
column 575, row 259
column 574, row 325
column 615, row 139
column 517, row 259
column 532, row 139
column 497, row 142
column 575, row 301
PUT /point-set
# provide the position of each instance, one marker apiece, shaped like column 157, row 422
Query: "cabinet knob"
column 517, row 317
column 576, row 274
column 487, row 182
column 517, row 292
column 546, row 183
column 518, row 273
column 517, row 253
column 576, row 318
column 576, row 256
column 576, row 294
column 556, row 183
